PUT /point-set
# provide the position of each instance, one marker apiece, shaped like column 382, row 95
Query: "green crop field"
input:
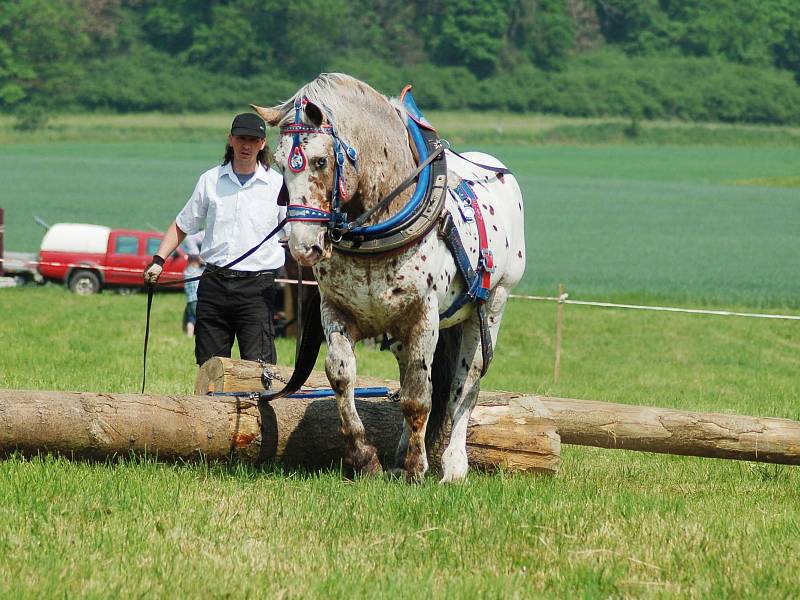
column 696, row 224
column 681, row 215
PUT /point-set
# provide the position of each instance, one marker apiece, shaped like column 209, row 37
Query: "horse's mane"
column 338, row 93
column 367, row 121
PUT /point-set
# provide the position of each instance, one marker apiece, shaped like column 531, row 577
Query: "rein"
column 394, row 193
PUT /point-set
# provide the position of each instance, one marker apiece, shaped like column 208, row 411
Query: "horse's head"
column 342, row 147
column 319, row 170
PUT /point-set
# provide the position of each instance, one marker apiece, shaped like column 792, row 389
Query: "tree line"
column 718, row 60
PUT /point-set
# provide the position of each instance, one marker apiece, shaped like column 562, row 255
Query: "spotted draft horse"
column 386, row 263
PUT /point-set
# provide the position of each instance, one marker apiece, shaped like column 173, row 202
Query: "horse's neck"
column 387, row 160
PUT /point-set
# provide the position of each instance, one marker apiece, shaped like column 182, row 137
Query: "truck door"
column 126, row 259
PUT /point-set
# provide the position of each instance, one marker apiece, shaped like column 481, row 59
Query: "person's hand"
column 153, row 270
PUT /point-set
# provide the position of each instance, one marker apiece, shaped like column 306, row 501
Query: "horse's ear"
column 314, row 114
column 271, row 115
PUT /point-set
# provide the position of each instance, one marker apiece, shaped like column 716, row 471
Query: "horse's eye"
column 322, row 163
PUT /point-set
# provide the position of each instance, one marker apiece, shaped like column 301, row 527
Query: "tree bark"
column 713, row 435
column 601, row 424
column 294, row 432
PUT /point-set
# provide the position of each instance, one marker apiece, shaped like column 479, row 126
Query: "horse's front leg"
column 415, row 393
column 340, row 366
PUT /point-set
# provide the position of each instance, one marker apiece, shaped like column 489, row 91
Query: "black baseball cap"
column 249, row 124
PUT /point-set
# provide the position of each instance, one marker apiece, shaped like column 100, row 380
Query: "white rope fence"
column 693, row 311
column 563, row 299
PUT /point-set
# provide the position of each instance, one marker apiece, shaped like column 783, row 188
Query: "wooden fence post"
column 2, row 231
column 559, row 326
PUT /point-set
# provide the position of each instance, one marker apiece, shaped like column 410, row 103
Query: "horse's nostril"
column 317, row 249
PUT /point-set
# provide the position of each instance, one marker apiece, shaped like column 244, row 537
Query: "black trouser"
column 240, row 307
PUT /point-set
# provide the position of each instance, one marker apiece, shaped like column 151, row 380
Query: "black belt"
column 233, row 273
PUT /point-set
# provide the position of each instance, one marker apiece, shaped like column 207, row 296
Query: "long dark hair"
column 262, row 157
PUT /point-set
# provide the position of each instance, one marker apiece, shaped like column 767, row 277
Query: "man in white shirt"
column 238, row 202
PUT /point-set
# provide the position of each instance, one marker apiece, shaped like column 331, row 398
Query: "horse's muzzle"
column 309, row 257
column 309, row 252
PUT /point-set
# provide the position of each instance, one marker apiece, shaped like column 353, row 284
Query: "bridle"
column 339, row 227
column 298, row 162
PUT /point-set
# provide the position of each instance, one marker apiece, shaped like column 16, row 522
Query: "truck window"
column 152, row 245
column 127, row 244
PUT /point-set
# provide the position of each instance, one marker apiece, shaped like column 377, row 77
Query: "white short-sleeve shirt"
column 236, row 217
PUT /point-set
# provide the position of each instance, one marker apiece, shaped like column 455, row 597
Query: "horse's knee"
column 340, row 363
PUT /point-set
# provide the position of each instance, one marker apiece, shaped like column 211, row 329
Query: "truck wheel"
column 84, row 283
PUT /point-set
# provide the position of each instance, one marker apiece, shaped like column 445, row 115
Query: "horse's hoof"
column 415, row 476
column 453, row 478
column 454, row 466
column 365, row 460
column 395, row 473
column 373, row 467
column 416, row 466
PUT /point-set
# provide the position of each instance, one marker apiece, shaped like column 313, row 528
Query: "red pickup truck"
column 91, row 257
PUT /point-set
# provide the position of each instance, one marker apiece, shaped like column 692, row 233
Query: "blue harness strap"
column 477, row 280
column 363, row 392
column 451, row 237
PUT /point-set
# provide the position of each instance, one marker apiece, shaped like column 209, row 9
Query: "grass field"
column 698, row 223
column 610, row 524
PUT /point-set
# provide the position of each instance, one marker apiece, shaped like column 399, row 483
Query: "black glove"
column 153, row 270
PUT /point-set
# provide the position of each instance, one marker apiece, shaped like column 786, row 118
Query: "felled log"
column 713, row 435
column 294, row 432
column 220, row 374
column 600, row 424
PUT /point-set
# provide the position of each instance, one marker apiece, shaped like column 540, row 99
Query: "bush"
column 596, row 84
column 608, row 83
column 152, row 81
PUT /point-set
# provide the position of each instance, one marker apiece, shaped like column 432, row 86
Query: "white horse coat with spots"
column 403, row 292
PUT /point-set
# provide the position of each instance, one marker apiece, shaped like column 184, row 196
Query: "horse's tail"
column 442, row 374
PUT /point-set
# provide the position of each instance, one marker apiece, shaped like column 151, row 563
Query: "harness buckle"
column 467, row 212
column 486, row 260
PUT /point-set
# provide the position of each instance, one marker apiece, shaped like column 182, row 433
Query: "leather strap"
column 146, row 333
column 498, row 170
column 486, row 337
column 235, row 261
column 308, row 345
column 395, row 192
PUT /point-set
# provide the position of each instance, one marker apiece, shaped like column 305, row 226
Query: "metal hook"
column 334, row 232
